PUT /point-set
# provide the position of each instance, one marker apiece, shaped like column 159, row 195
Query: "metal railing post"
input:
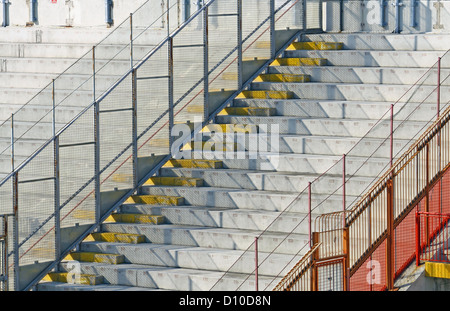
column 131, row 41
column 272, row 29
column 391, row 148
column 205, row 64
column 57, row 198
column 417, row 238
column 134, row 127
column 390, row 236
column 97, row 144
column 239, row 43
column 256, row 265
column 170, row 90
column 12, row 143
column 15, row 199
column 309, row 216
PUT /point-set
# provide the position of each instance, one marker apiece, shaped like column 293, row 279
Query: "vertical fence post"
column 256, row 265
column 205, row 64
column 304, row 15
column 56, row 176
column 391, row 148
column 131, row 40
column 239, row 44
column 12, row 143
column 134, row 127
column 344, row 199
column 417, row 238
column 390, row 236
column 345, row 265
column 97, row 144
column 309, row 216
column 170, row 89
column 15, row 198
column 314, row 271
column 272, row 29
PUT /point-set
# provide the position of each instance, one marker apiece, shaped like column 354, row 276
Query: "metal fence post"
column 417, row 238
column 256, row 264
column 205, row 64
column 131, row 40
column 12, row 143
column 309, row 216
column 134, row 127
column 57, row 198
column 272, row 29
column 16, row 230
column 390, row 236
column 391, row 156
column 239, row 42
column 170, row 90
column 97, row 144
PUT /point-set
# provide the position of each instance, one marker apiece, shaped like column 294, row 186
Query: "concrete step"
column 73, row 50
column 331, row 127
column 384, row 42
column 172, row 278
column 222, row 238
column 175, row 256
column 58, row 286
column 342, row 109
column 372, row 75
column 305, row 163
column 252, row 199
column 358, row 92
column 270, row 181
column 372, row 58
column 64, row 82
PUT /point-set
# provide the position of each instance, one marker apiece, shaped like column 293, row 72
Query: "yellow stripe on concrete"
column 437, row 270
column 155, row 199
column 174, row 181
column 113, row 259
column 248, row 111
column 266, row 94
column 74, row 278
column 211, row 146
column 116, row 237
column 136, row 218
column 299, row 62
column 194, row 163
column 316, row 46
column 283, row 77
column 230, row 128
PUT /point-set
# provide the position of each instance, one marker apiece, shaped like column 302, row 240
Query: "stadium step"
column 187, row 225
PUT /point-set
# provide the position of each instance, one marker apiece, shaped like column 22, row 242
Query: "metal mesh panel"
column 188, row 71
column 153, row 104
column 256, row 29
column 313, row 14
column 116, row 118
column 36, row 201
column 222, row 45
column 289, row 14
column 77, row 171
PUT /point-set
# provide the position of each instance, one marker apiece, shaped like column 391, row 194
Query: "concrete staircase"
column 189, row 224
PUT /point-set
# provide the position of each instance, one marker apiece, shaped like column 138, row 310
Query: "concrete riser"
column 342, row 109
column 254, row 200
column 373, row 75
column 374, row 58
column 191, row 258
column 384, row 42
column 363, row 92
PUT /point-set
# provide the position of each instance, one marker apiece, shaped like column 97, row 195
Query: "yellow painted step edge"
column 283, row 77
column 247, row 111
column 116, row 237
column 174, row 181
column 266, row 95
column 288, row 61
column 136, row 218
column 316, row 45
column 231, row 128
column 437, row 270
column 84, row 279
column 188, row 163
column 155, row 199
column 114, row 259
